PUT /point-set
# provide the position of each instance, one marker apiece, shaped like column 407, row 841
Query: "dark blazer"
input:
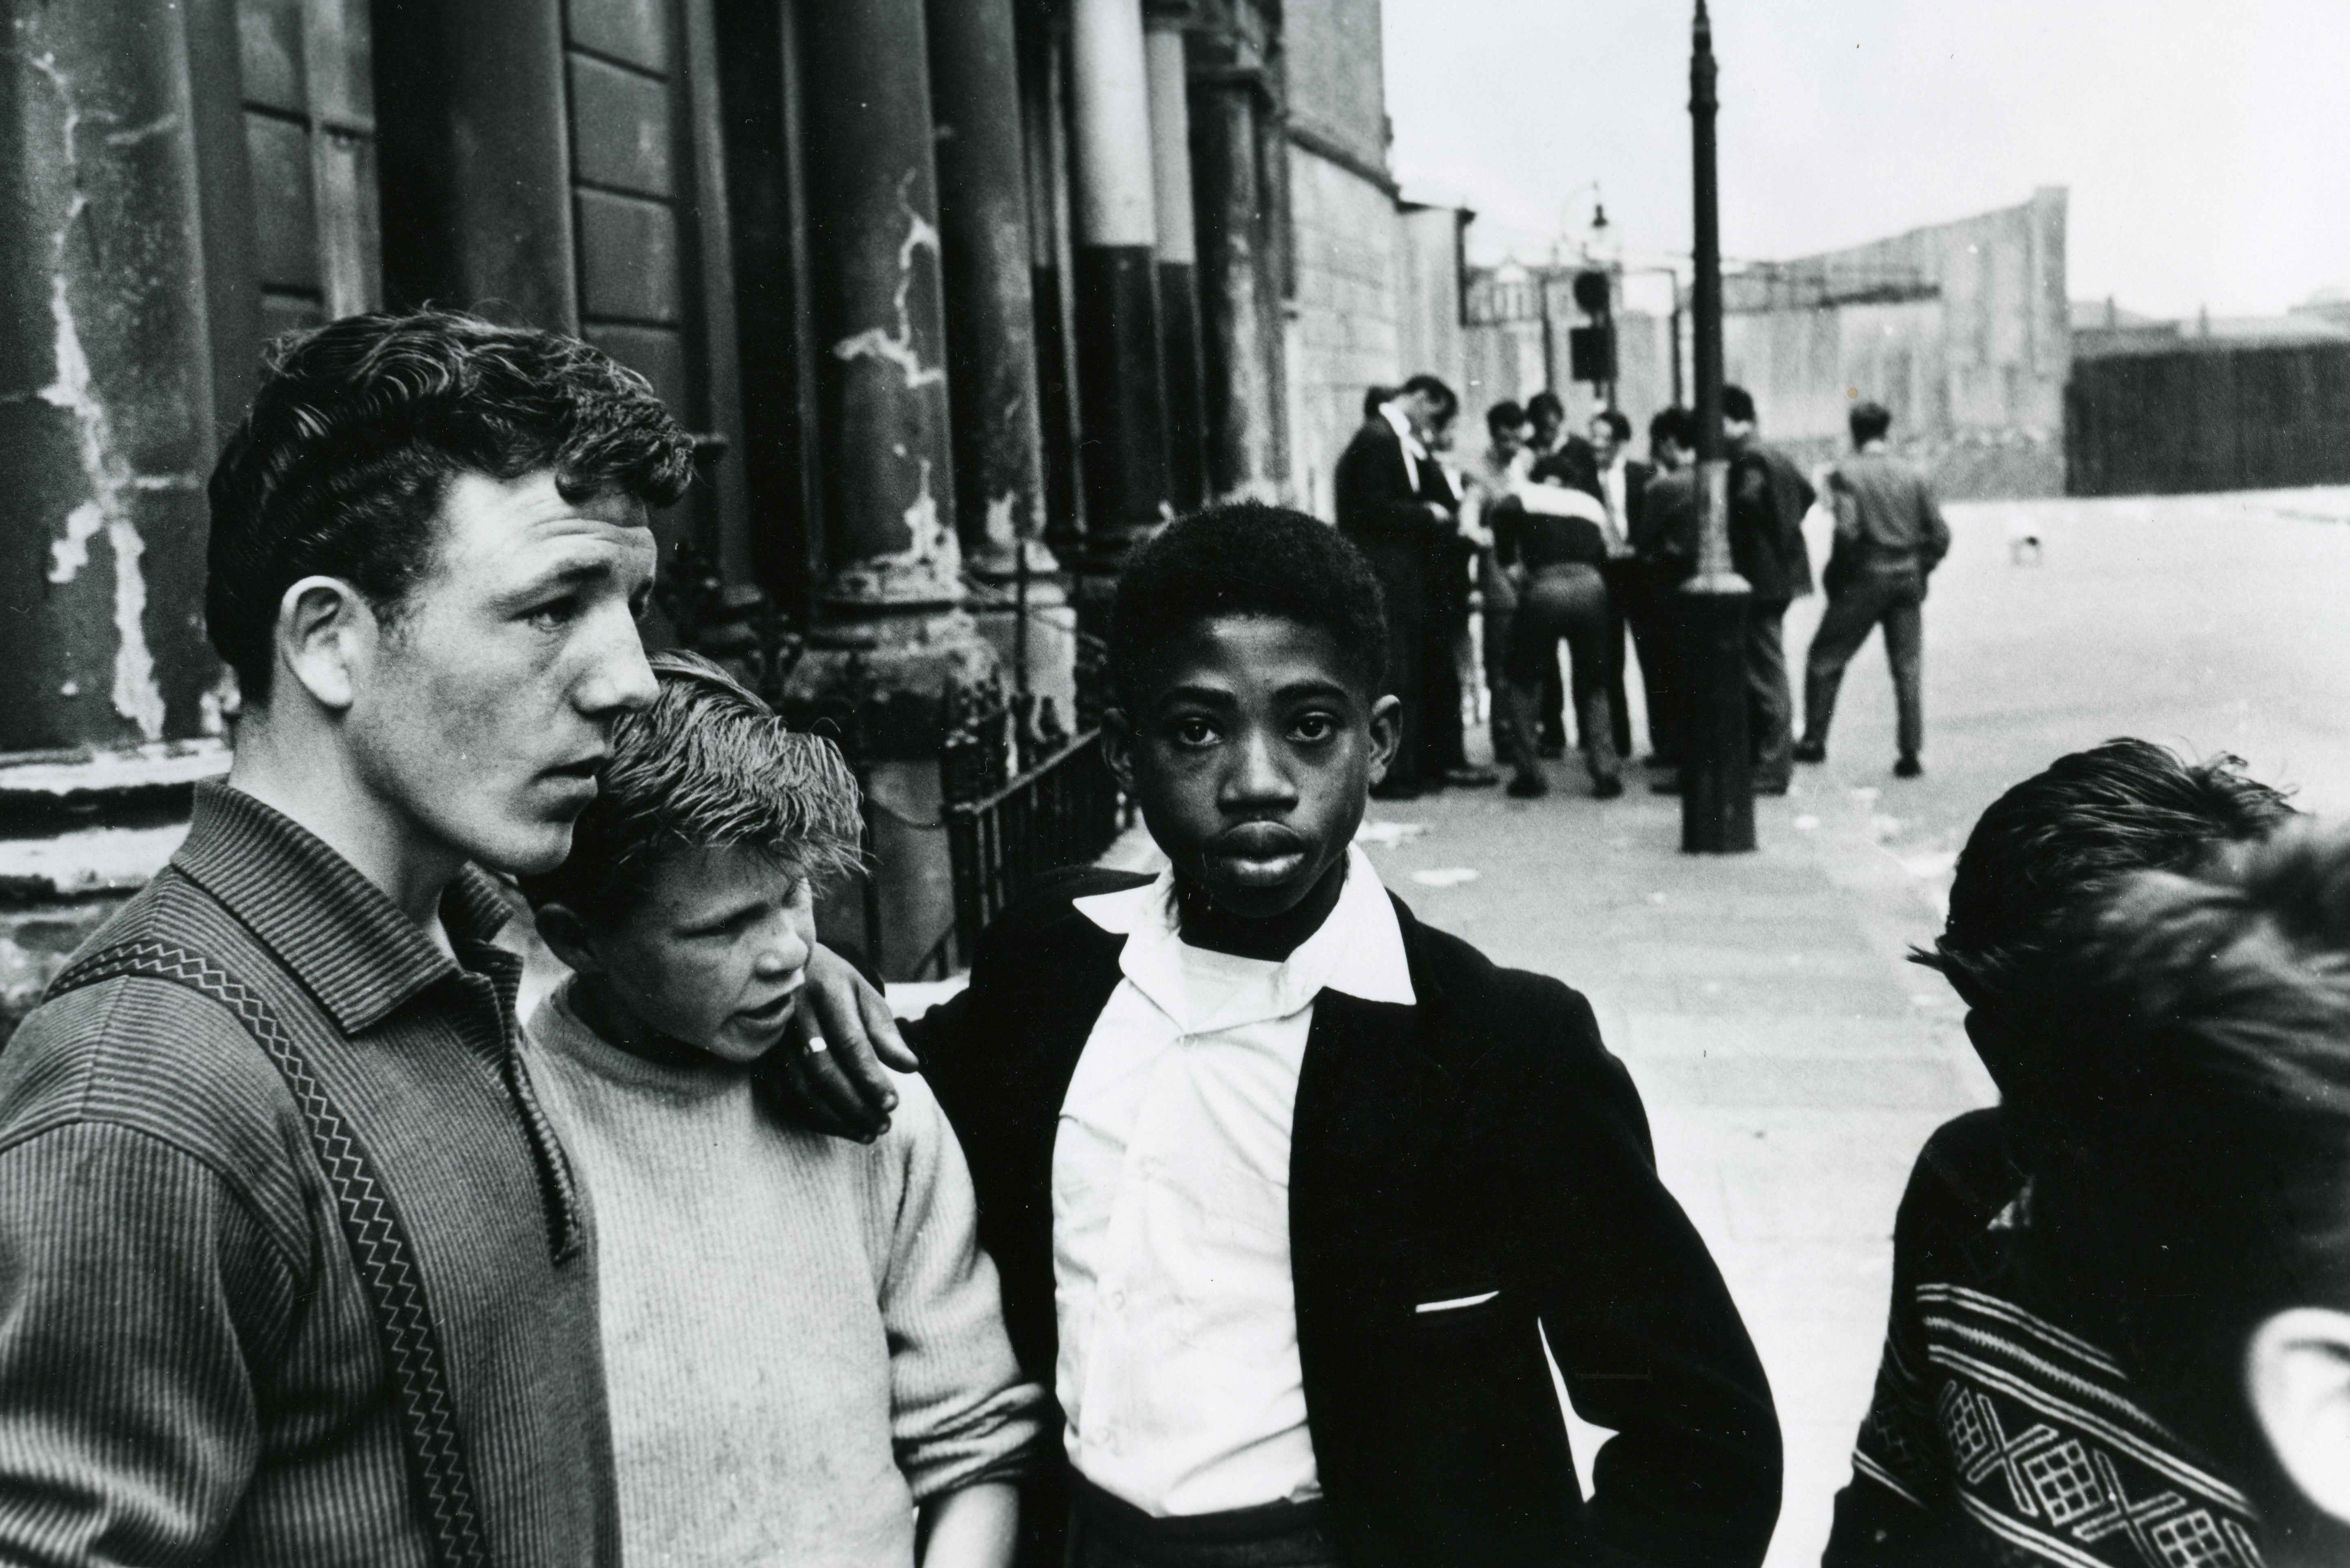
column 1768, row 498
column 1482, row 1140
column 1385, row 516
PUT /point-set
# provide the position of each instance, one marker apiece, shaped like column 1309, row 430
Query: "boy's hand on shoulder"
column 827, row 1073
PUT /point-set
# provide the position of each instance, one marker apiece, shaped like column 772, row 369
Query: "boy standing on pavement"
column 2003, row 1428
column 1768, row 499
column 803, row 1340
column 1288, row 1190
column 1889, row 537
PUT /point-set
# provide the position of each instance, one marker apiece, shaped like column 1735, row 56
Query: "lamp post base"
column 1717, row 768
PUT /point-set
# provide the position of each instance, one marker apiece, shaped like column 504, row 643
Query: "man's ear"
column 324, row 632
column 1118, row 743
column 1387, row 734
column 567, row 937
column 2297, row 1377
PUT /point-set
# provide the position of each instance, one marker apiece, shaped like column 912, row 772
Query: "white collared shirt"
column 1412, row 450
column 1178, row 1369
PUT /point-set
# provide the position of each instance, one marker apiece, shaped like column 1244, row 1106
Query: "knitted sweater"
column 801, row 1335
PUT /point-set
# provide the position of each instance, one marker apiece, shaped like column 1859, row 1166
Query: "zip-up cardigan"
column 191, row 1370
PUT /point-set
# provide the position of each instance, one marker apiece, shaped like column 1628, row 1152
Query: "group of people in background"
column 1549, row 537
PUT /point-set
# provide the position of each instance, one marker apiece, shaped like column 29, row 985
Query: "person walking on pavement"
column 1889, row 537
column 1768, row 499
column 1560, row 554
column 1490, row 512
column 1552, row 440
column 1621, row 483
column 1651, row 583
column 1667, row 549
column 1449, row 662
column 1388, row 500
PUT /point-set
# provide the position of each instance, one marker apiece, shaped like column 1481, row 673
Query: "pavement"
column 1791, row 1059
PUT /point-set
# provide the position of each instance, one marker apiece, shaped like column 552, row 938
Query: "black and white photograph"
column 1174, row 783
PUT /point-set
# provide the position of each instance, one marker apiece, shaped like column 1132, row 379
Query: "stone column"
column 1238, row 291
column 1120, row 385
column 990, row 306
column 475, row 154
column 892, row 636
column 1178, row 299
column 105, row 392
column 1045, row 123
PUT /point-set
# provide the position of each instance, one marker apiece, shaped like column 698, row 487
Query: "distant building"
column 1962, row 329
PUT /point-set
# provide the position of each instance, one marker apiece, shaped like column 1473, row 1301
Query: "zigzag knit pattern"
column 372, row 1223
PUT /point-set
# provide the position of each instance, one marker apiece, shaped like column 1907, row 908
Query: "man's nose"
column 617, row 676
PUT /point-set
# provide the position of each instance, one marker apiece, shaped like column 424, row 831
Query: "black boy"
column 1287, row 1189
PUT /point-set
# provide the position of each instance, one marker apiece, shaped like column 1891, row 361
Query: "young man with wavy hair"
column 292, row 1267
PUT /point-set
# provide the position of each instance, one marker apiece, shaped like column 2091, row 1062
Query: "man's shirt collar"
column 1359, row 950
column 339, row 934
column 1402, row 427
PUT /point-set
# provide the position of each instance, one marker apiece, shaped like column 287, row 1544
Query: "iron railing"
column 1006, row 829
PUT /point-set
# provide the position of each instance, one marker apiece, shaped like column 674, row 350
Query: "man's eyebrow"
column 575, row 571
column 1302, row 688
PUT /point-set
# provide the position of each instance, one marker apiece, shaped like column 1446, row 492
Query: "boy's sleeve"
column 960, row 1413
column 1637, row 1317
column 1901, row 1508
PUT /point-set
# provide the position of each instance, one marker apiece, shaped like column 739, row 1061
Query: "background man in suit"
column 1399, row 508
column 1768, row 498
column 1286, row 1190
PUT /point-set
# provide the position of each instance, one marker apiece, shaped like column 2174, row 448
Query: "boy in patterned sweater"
column 2004, row 1430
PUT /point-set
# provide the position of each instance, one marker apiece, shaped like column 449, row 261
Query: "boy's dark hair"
column 1737, row 403
column 2046, row 848
column 1245, row 558
column 2210, row 1151
column 340, row 465
column 1504, row 416
column 707, row 766
column 1618, row 424
column 1869, row 422
column 1545, row 403
column 1374, row 399
column 1433, row 389
column 1675, row 425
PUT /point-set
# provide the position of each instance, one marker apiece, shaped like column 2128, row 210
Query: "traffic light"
column 1591, row 293
column 1591, row 353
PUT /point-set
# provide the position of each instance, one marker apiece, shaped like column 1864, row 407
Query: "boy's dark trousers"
column 1770, row 703
column 1651, row 608
column 1470, row 1177
column 1895, row 600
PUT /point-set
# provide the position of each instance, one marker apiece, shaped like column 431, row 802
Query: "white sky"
column 2207, row 142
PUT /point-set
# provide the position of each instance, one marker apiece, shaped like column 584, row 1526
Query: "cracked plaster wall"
column 105, row 388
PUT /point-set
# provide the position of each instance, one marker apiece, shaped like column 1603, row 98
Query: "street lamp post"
column 1717, row 771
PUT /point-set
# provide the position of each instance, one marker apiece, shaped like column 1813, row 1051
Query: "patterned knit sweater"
column 802, row 1338
column 1998, row 1435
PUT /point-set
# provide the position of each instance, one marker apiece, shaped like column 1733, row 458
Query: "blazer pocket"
column 1455, row 1304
